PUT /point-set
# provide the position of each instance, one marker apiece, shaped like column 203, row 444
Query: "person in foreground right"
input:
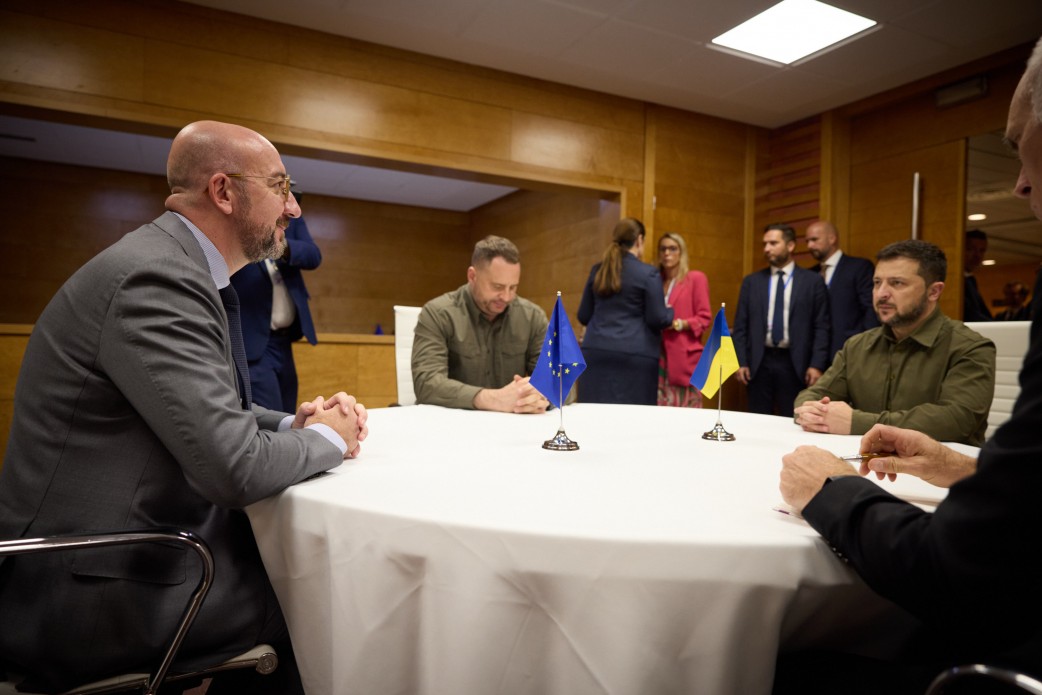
column 970, row 571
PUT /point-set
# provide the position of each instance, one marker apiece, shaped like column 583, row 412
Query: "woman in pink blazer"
column 688, row 293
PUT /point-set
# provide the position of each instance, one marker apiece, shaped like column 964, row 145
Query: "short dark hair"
column 977, row 234
column 492, row 247
column 933, row 264
column 788, row 233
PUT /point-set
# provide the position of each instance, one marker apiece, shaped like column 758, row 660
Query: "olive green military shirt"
column 456, row 351
column 940, row 380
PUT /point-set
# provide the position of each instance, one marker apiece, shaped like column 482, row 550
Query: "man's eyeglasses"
column 283, row 179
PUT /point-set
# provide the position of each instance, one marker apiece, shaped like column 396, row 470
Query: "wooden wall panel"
column 700, row 181
column 559, row 235
column 916, row 122
column 881, row 207
column 58, row 218
column 151, row 63
column 788, row 185
column 13, row 339
column 376, row 255
column 362, row 366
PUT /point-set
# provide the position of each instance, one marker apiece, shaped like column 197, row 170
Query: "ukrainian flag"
column 718, row 361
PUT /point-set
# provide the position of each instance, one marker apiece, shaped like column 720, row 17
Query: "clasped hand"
column 826, row 415
column 518, row 396
column 341, row 412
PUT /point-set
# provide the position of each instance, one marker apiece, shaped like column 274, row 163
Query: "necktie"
column 778, row 322
column 825, row 272
column 230, row 299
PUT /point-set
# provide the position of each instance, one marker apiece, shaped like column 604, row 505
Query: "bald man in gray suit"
column 129, row 413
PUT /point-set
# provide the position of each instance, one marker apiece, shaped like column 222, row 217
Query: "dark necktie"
column 230, row 298
column 778, row 322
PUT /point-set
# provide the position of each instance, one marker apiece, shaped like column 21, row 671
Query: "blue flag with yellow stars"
column 561, row 361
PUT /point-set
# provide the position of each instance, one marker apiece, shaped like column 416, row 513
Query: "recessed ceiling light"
column 977, row 217
column 990, row 261
column 793, row 29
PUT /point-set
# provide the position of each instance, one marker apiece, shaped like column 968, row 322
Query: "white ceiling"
column 658, row 50
column 652, row 50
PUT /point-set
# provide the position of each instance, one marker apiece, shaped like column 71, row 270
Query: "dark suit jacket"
column 631, row 320
column 972, row 569
column 850, row 299
column 127, row 415
column 808, row 320
column 974, row 308
column 253, row 283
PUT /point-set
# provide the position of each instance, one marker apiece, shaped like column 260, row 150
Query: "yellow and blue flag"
column 718, row 361
column 561, row 361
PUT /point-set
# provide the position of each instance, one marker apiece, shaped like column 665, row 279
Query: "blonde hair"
column 682, row 267
column 608, row 280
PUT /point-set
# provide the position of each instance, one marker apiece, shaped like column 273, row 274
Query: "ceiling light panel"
column 793, row 29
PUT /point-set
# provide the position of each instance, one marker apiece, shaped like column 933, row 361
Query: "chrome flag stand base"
column 718, row 433
column 560, row 442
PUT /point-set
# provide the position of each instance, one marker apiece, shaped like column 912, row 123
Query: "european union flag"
column 718, row 361
column 561, row 361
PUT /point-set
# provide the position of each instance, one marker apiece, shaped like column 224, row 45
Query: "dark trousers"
column 273, row 377
column 618, row 377
column 284, row 680
column 774, row 388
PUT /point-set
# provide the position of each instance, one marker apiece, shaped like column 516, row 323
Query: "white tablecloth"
column 458, row 557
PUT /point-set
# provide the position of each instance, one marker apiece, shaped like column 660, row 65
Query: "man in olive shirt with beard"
column 476, row 347
column 919, row 370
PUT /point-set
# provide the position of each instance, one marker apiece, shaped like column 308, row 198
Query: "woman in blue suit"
column 624, row 312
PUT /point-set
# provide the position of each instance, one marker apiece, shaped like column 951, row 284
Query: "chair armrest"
column 27, row 546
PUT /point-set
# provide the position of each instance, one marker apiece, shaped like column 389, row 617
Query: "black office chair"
column 977, row 678
column 262, row 658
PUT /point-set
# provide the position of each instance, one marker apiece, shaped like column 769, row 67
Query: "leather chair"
column 262, row 658
column 405, row 318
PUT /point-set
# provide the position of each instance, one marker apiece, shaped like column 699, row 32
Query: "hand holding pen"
column 892, row 450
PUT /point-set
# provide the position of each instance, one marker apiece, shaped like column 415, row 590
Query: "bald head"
column 229, row 181
column 1033, row 78
column 204, row 148
column 822, row 239
column 1024, row 131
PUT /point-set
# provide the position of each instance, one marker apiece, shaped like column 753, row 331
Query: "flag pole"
column 719, row 433
column 560, row 441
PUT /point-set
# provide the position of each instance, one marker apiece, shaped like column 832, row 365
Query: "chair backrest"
column 1011, row 340
column 405, row 318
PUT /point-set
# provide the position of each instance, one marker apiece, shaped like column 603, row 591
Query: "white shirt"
column 830, row 264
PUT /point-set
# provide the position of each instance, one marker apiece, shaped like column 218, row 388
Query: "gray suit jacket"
column 127, row 415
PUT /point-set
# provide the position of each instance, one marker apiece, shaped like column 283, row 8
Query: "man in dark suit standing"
column 974, row 308
column 133, row 409
column 849, row 281
column 275, row 314
column 781, row 331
